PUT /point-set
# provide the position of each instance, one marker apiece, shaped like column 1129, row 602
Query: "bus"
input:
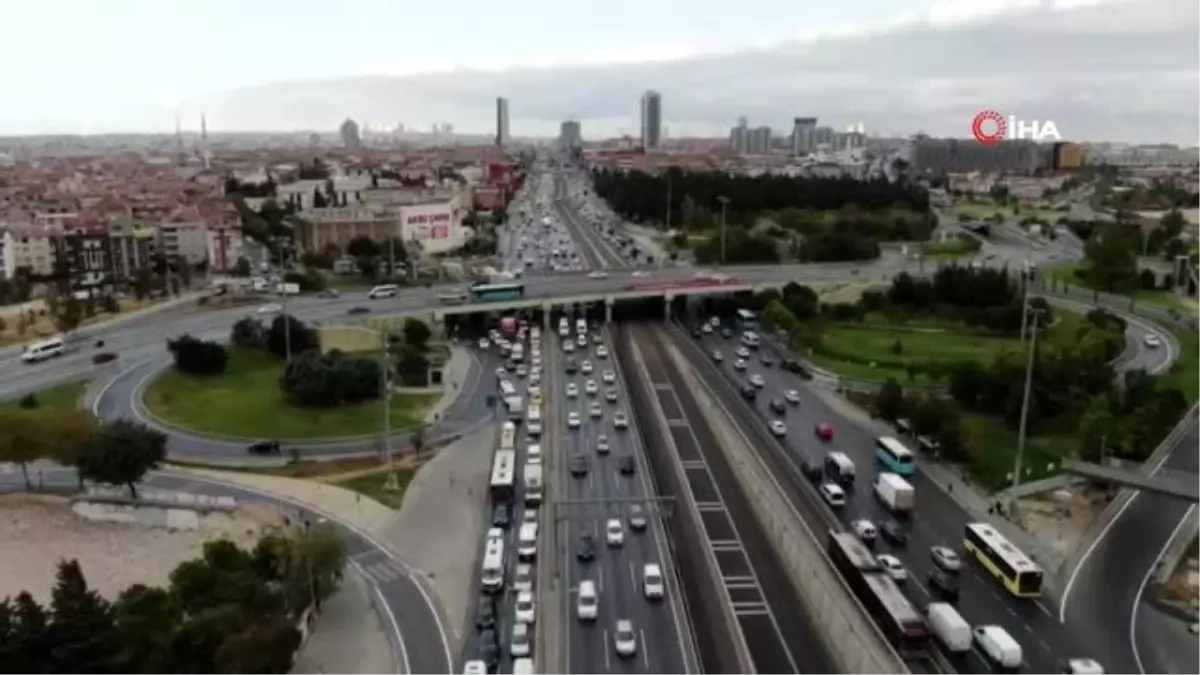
column 897, row 458
column 507, row 388
column 492, row 579
column 1020, row 575
column 503, row 474
column 893, row 612
column 850, row 556
column 508, row 437
column 482, row 292
column 745, row 319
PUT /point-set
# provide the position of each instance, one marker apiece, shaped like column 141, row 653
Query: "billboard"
column 489, row 198
column 425, row 222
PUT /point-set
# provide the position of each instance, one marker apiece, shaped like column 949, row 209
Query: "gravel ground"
column 39, row 530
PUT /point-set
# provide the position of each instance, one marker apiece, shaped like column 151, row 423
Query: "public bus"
column 507, row 389
column 508, row 437
column 897, row 458
column 893, row 613
column 492, row 579
column 503, row 475
column 850, row 556
column 1020, row 575
column 482, row 292
column 745, row 319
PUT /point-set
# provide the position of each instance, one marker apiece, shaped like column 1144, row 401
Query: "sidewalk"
column 456, row 379
column 350, row 637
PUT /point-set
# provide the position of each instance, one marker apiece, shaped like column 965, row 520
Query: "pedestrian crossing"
column 379, row 568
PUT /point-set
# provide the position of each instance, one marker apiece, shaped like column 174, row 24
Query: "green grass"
column 1065, row 274
column 246, row 402
column 993, row 448
column 60, row 397
column 372, row 485
column 951, row 248
column 1185, row 373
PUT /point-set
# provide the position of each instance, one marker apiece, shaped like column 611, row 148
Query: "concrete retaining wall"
column 170, row 510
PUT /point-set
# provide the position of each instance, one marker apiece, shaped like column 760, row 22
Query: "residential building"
column 570, row 134
column 651, row 120
column 351, row 139
column 739, row 137
column 804, row 131
column 825, row 139
column 183, row 239
column 84, row 255
column 8, row 256
column 1068, row 156
column 33, row 249
column 953, row 155
column 131, row 247
column 501, row 122
column 760, row 141
column 224, row 246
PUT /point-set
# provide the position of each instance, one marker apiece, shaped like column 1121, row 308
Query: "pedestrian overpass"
column 1177, row 484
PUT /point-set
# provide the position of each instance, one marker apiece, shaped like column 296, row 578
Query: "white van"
column 587, row 604
column 40, row 351
column 841, row 467
column 949, row 627
column 527, row 541
column 384, row 291
column 998, row 646
column 523, row 666
column 564, row 328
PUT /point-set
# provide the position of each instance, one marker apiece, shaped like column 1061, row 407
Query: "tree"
column 143, row 281
column 889, row 401
column 69, row 436
column 412, row 367
column 122, row 452
column 29, row 636
column 68, row 314
column 315, row 379
column 303, row 338
column 363, row 247
column 198, row 357
column 267, row 647
column 241, row 268
column 29, row 402
column 1112, row 257
column 82, row 629
column 248, row 332
column 23, row 438
column 416, row 333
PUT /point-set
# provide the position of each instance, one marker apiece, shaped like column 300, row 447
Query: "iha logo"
column 990, row 127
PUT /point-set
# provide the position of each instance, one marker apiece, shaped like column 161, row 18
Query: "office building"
column 804, row 131
column 570, row 134
column 351, row 139
column 651, row 120
column 1068, row 156
column 501, row 122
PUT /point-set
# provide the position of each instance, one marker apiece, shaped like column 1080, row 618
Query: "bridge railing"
column 1123, row 303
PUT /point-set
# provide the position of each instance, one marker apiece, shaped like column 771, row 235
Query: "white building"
column 8, row 254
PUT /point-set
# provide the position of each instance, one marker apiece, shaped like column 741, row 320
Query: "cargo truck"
column 894, row 492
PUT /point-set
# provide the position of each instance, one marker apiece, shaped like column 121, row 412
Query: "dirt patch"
column 1057, row 519
column 113, row 555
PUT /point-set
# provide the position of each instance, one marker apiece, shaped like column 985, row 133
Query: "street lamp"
column 385, row 397
column 724, row 202
column 1034, row 314
column 287, row 319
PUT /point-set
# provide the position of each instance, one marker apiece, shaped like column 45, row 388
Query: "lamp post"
column 724, row 202
column 1034, row 315
column 287, row 319
column 385, row 399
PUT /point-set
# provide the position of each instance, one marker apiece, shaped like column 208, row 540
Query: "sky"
column 1112, row 69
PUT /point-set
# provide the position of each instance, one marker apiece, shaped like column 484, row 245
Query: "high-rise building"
column 760, row 141
column 350, row 137
column 804, row 130
column 824, row 139
column 651, row 119
column 739, row 137
column 501, row 122
column 570, row 134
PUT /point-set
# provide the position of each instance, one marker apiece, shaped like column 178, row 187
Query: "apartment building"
column 84, row 255
column 32, row 249
column 224, row 246
column 8, row 257
column 131, row 246
column 183, row 240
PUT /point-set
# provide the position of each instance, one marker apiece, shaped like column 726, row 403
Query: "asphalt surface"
column 937, row 518
column 413, row 625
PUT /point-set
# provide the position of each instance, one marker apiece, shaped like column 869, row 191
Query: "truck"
column 895, row 492
column 533, row 484
column 948, row 627
column 287, row 288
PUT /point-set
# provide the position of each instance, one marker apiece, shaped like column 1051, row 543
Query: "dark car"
column 359, row 310
column 329, row 293
column 812, row 468
column 943, row 583
column 697, row 333
column 779, row 406
column 625, row 465
column 579, row 465
column 500, row 516
column 794, row 366
column 726, row 333
column 766, row 360
column 485, row 613
column 893, row 533
column 510, row 365
column 572, row 366
column 489, row 648
column 264, row 448
column 587, row 547
column 749, row 392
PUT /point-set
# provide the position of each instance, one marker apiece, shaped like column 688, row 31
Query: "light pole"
column 385, row 401
column 1016, row 481
column 724, row 202
column 287, row 320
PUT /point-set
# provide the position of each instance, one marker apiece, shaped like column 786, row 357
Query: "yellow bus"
column 1020, row 575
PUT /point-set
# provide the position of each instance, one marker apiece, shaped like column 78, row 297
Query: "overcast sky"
column 1125, row 70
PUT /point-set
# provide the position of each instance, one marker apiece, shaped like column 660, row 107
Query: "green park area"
column 246, row 401
column 59, row 397
column 1075, row 273
column 985, row 209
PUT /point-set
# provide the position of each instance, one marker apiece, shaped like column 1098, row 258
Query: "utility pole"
column 385, row 380
column 724, row 202
column 1016, row 482
column 287, row 319
column 1024, row 302
column 668, row 227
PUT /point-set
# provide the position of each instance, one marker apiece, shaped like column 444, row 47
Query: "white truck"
column 287, row 288
column 533, row 484
column 949, row 627
column 895, row 492
column 999, row 647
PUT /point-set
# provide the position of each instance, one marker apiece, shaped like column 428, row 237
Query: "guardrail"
column 1123, row 303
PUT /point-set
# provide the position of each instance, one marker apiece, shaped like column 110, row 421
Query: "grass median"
column 59, row 397
column 246, row 401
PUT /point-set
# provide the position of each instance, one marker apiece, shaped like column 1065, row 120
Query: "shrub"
column 198, row 357
column 325, row 380
column 248, row 332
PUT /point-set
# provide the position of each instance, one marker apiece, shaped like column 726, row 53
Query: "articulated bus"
column 503, row 476
column 1020, row 575
column 891, row 610
column 897, row 458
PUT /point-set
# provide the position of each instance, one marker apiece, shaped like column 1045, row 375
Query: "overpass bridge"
column 1177, row 484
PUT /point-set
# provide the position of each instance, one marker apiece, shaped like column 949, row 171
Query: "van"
column 40, row 351
column 384, row 291
column 587, row 605
column 998, row 646
column 527, row 541
column 841, row 467
column 523, row 666
column 948, row 627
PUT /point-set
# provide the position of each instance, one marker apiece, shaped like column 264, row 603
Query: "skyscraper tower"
column 501, row 122
column 205, row 155
column 651, row 119
column 180, row 154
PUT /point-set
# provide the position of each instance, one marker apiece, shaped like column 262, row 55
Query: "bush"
column 325, row 380
column 29, row 401
column 412, row 367
column 248, row 332
column 303, row 338
column 103, row 357
column 416, row 333
column 198, row 357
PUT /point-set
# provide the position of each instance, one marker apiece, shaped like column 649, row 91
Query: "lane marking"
column 1137, row 600
column 402, row 662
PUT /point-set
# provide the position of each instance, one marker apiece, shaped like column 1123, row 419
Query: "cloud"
column 1122, row 70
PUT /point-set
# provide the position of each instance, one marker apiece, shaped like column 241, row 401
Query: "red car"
column 824, row 431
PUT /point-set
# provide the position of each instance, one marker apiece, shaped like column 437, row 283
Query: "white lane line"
column 1137, row 600
column 607, row 657
column 645, row 649
column 402, row 658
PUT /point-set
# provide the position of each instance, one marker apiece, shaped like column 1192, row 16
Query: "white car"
column 595, row 411
column 641, row 273
column 778, row 428
column 620, row 421
column 1152, row 341
column 893, row 567
column 610, row 394
column 706, row 328
column 573, row 420
column 652, row 582
column 757, row 381
column 609, row 377
column 833, row 494
column 572, row 390
column 568, row 347
column 602, row 444
column 740, row 364
column 602, row 352
column 520, row 641
column 586, row 368
column 865, row 530
column 525, row 611
column 742, row 352
column 270, row 309
column 581, row 340
column 945, row 558
column 591, row 388
column 587, row 606
column 484, row 343
column 523, row 578
column 624, row 639
column 598, row 274
column 614, row 533
column 475, row 667
column 792, row 396
column 522, row 371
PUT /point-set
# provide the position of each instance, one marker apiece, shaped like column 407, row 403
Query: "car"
column 610, row 394
column 572, row 390
column 620, row 421
column 519, row 646
column 598, row 339
column 598, row 274
column 778, row 406
column 568, row 347
column 587, row 607
column 864, row 530
column 626, row 465
column 523, row 577
column 717, row 355
column 893, row 533
column 698, row 333
column 586, row 368
column 742, row 353
column 475, row 667
column 1152, row 341
column 758, row 381
column 485, row 613
column 943, row 583
column 812, row 468
column 653, row 586
column 595, row 411
column 792, row 396
column 609, row 377
column 637, row 518
column 525, row 610
column 510, row 365
column 579, row 465
column 893, row 567
column 501, row 372
column 748, row 392
column 581, row 341
column 614, row 533
column 640, row 274
column 571, row 366
column 264, row 448
column 833, row 494
column 535, row 377
column 624, row 639
column 778, row 428
column 706, row 328
column 484, row 343
column 271, row 308
column 726, row 333
column 488, row 648
column 522, row 371
column 501, row 516
column 591, row 388
column 602, row 444
column 946, row 559
column 573, row 420
column 766, row 360
column 602, row 352
column 586, row 549
column 740, row 364
column 824, row 431
column 358, row 310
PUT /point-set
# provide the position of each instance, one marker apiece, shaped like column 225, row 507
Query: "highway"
column 409, row 618
column 938, row 519
column 584, row 505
